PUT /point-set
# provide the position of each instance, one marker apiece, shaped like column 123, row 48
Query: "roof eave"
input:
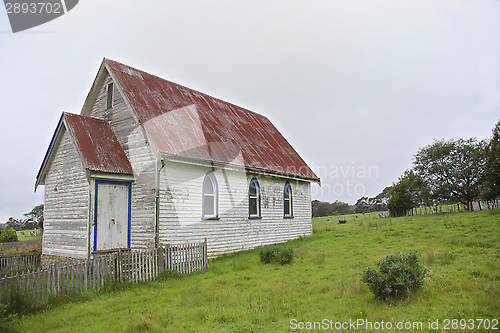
column 200, row 162
column 91, row 96
column 40, row 178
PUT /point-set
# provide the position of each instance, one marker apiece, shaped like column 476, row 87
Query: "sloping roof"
column 96, row 144
column 184, row 122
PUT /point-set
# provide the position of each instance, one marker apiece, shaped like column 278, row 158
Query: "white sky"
column 351, row 84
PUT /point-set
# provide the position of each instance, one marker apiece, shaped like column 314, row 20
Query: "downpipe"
column 157, row 205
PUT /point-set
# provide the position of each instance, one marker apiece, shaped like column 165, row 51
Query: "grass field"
column 24, row 235
column 239, row 294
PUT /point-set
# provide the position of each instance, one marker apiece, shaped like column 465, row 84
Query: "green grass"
column 24, row 235
column 240, row 294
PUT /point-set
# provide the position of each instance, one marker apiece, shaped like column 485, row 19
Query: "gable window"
column 287, row 201
column 109, row 101
column 254, row 199
column 210, row 196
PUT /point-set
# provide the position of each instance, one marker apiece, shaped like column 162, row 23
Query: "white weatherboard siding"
column 181, row 209
column 132, row 138
column 66, row 209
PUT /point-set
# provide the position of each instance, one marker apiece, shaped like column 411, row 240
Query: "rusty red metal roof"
column 184, row 122
column 97, row 144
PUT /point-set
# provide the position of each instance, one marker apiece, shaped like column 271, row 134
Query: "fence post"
column 205, row 254
column 57, row 278
column 119, row 265
column 52, row 279
column 168, row 257
column 161, row 260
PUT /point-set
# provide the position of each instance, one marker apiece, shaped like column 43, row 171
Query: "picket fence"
column 120, row 265
column 20, row 261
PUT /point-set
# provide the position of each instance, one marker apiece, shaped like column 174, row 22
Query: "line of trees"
column 363, row 205
column 32, row 220
column 450, row 171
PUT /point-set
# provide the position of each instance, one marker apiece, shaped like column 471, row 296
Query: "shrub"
column 8, row 235
column 395, row 276
column 276, row 254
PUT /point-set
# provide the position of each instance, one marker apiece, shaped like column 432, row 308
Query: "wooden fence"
column 106, row 266
column 16, row 262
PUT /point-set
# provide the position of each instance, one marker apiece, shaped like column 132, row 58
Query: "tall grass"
column 240, row 294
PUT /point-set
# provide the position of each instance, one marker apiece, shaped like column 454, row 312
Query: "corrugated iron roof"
column 184, row 122
column 97, row 145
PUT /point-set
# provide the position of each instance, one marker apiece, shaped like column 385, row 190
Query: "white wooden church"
column 150, row 162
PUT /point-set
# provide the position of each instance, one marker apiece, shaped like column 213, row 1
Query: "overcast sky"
column 351, row 84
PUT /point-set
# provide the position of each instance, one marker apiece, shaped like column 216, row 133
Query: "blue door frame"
column 129, row 213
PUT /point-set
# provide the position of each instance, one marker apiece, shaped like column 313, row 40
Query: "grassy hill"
column 240, row 294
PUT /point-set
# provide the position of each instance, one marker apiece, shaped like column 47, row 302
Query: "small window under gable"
column 254, row 199
column 109, row 101
column 287, row 201
column 210, row 196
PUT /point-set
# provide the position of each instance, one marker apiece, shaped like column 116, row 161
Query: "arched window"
column 254, row 199
column 210, row 196
column 287, row 201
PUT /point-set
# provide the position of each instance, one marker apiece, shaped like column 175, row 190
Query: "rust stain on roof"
column 97, row 144
column 184, row 122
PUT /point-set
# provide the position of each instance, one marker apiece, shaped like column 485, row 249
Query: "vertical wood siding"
column 181, row 210
column 142, row 157
column 66, row 204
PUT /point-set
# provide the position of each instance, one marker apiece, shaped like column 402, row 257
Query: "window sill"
column 255, row 217
column 210, row 218
column 288, row 217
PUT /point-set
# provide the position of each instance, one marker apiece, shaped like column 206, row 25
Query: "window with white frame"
column 254, row 199
column 287, row 201
column 210, row 196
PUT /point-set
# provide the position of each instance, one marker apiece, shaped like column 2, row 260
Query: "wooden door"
column 112, row 215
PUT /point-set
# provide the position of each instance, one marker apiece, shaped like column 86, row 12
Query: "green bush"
column 276, row 254
column 8, row 235
column 395, row 276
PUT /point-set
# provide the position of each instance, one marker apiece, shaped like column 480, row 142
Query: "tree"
column 401, row 198
column 452, row 170
column 492, row 166
column 340, row 208
column 417, row 188
column 14, row 224
column 375, row 204
column 320, row 208
column 382, row 198
column 34, row 218
column 362, row 205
